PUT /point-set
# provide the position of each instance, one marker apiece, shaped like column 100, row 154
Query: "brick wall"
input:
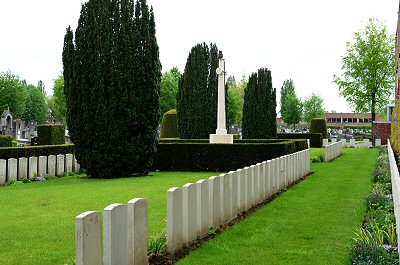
column 381, row 130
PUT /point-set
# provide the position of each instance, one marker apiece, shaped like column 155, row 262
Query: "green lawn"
column 311, row 223
column 37, row 220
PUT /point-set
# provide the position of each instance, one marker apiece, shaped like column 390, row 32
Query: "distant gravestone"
column 60, row 165
column 33, row 167
column 324, row 142
column 51, row 165
column 22, row 168
column 334, row 140
column 352, row 143
column 3, row 170
column 378, row 142
column 42, row 165
column 343, row 141
column 68, row 162
column 12, row 169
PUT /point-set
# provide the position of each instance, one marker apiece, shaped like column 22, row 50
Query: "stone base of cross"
column 221, row 138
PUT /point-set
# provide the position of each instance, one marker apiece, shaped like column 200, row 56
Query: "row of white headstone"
column 125, row 235
column 325, row 142
column 22, row 168
column 192, row 210
column 196, row 207
column 395, row 189
column 332, row 151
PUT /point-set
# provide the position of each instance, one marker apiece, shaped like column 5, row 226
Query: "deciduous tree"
column 313, row 107
column 368, row 69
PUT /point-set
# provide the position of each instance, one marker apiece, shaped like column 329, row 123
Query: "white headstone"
column 242, row 190
column 88, row 239
column 115, row 234
column 3, row 171
column 366, row 142
column 174, row 220
column 247, row 194
column 308, row 143
column 324, row 142
column 250, row 182
column 378, row 142
column 226, row 197
column 334, row 140
column 189, row 213
column 33, row 167
column 352, row 143
column 137, row 231
column 42, row 166
column 60, row 165
column 215, row 202
column 12, row 165
column 256, row 184
column 22, row 168
column 77, row 167
column 51, row 164
column 202, row 207
column 235, row 193
column 69, row 158
column 343, row 141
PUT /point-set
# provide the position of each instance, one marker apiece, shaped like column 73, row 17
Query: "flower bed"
column 376, row 240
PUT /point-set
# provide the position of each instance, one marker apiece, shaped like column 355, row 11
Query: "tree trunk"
column 373, row 103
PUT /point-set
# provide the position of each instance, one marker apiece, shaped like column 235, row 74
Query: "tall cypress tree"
column 198, row 93
column 259, row 108
column 112, row 74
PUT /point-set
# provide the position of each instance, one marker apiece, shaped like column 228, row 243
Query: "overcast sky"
column 301, row 40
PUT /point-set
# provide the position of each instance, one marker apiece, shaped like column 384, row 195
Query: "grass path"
column 312, row 223
column 37, row 220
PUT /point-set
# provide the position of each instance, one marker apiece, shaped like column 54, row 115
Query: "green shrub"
column 41, row 150
column 51, row 134
column 195, row 156
column 14, row 143
column 169, row 127
column 6, row 141
column 318, row 125
column 315, row 138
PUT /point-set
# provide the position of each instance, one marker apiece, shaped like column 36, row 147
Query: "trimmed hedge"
column 186, row 156
column 6, row 141
column 51, row 134
column 42, row 150
column 318, row 125
column 315, row 138
column 169, row 127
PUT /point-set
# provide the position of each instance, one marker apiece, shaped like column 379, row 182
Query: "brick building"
column 350, row 119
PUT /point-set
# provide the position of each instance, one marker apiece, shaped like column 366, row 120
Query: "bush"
column 169, row 127
column 318, row 125
column 195, row 156
column 51, row 134
column 315, row 138
column 6, row 141
column 42, row 150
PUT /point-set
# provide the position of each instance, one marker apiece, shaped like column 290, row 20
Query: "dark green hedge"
column 220, row 157
column 315, row 138
column 6, row 141
column 51, row 134
column 42, row 150
column 169, row 127
column 318, row 125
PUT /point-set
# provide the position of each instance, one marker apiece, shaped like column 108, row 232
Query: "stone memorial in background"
column 221, row 136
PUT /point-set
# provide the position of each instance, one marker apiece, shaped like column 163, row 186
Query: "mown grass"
column 37, row 220
column 311, row 223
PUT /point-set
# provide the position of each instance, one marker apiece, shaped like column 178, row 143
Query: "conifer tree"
column 112, row 85
column 198, row 93
column 259, row 107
